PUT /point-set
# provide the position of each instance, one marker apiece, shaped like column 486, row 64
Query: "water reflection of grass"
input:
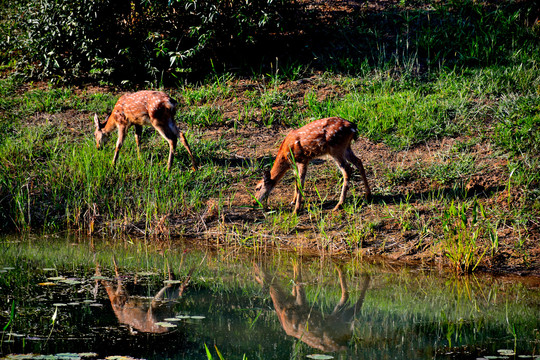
column 460, row 311
column 407, row 309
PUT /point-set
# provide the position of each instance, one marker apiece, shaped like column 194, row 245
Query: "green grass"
column 53, row 179
column 57, row 183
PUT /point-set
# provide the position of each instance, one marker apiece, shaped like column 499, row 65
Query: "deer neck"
column 109, row 126
column 280, row 167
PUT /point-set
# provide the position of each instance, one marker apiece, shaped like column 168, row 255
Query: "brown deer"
column 326, row 332
column 330, row 136
column 143, row 314
column 142, row 108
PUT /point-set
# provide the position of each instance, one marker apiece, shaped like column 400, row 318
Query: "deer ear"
column 96, row 122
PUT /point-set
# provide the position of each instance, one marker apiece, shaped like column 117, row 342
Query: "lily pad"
column 320, row 356
column 197, row 317
column 45, row 357
column 146, row 273
column 99, row 277
column 172, row 319
column 47, row 283
column 56, row 278
column 68, row 356
column 20, row 357
column 506, row 352
column 59, row 304
column 71, row 282
column 165, row 324
column 88, row 354
column 14, row 334
column 172, row 282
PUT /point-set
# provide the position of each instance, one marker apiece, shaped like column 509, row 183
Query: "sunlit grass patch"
column 203, row 116
column 66, row 184
column 399, row 175
column 451, row 170
column 403, row 119
column 215, row 88
column 518, row 124
column 50, row 100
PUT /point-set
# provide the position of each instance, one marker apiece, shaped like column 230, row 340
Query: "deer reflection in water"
column 326, row 332
column 139, row 313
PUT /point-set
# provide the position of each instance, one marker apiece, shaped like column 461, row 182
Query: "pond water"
column 88, row 299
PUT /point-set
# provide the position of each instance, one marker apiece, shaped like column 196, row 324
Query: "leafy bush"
column 135, row 41
column 64, row 38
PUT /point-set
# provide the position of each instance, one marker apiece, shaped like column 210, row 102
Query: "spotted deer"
column 141, row 313
column 142, row 108
column 329, row 136
column 301, row 319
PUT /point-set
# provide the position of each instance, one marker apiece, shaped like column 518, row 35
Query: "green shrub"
column 132, row 41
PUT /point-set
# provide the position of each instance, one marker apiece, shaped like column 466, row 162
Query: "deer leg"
column 170, row 137
column 172, row 148
column 342, row 312
column 344, row 291
column 186, row 282
column 119, row 286
column 293, row 201
column 138, row 133
column 186, row 145
column 117, row 274
column 184, row 142
column 296, row 269
column 358, row 163
column 119, row 143
column 299, row 185
column 297, row 188
column 346, row 171
column 365, row 284
column 298, row 289
column 348, row 314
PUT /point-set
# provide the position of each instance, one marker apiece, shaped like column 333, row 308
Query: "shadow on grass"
column 440, row 193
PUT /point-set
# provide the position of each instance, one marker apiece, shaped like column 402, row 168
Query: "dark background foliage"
column 164, row 41
column 139, row 40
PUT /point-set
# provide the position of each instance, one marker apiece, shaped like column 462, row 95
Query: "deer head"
column 263, row 188
column 101, row 137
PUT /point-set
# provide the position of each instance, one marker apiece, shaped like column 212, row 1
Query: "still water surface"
column 172, row 302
